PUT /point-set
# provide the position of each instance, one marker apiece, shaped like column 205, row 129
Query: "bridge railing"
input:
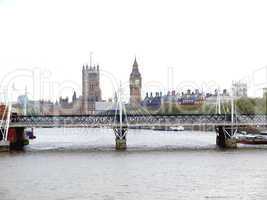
column 135, row 120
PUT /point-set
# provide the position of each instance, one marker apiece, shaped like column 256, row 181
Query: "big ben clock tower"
column 135, row 85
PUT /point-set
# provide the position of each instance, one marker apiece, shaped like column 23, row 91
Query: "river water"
column 82, row 164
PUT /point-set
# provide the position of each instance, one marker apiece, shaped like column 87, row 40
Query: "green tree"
column 246, row 106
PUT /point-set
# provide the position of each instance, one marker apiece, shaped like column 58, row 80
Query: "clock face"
column 137, row 81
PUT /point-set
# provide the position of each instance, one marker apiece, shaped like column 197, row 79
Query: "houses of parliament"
column 91, row 91
column 91, row 100
column 135, row 85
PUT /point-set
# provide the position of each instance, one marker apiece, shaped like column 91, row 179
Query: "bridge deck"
column 135, row 120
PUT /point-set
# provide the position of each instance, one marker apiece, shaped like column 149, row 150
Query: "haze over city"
column 196, row 41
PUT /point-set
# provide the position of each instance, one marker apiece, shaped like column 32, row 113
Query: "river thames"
column 83, row 164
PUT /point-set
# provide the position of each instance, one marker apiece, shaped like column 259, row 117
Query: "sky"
column 178, row 44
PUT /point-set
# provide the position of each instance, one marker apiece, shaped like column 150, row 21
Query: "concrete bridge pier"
column 225, row 137
column 120, row 140
column 121, row 144
column 17, row 139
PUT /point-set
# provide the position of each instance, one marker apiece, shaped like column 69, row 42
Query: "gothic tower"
column 135, row 85
column 91, row 91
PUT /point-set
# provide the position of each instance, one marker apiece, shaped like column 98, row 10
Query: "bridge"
column 12, row 127
column 135, row 120
column 225, row 124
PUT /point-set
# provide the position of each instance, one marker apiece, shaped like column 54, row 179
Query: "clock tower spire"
column 135, row 85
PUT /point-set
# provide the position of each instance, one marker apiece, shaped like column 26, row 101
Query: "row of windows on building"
column 184, row 98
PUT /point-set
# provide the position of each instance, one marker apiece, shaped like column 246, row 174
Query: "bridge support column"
column 121, row 144
column 224, row 137
column 4, row 144
column 120, row 140
column 17, row 139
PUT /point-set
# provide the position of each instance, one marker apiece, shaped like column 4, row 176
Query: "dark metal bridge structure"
column 135, row 120
column 224, row 124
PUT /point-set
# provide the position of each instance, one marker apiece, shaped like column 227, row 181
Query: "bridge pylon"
column 225, row 137
column 5, row 113
column 120, row 140
column 11, row 138
column 120, row 127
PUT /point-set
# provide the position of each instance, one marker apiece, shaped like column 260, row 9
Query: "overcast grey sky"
column 197, row 42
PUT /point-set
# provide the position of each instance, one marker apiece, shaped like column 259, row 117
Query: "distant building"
column 87, row 103
column 239, row 89
column 191, row 98
column 135, row 85
column 212, row 98
column 66, row 107
column 172, row 97
column 152, row 102
column 91, row 91
column 103, row 106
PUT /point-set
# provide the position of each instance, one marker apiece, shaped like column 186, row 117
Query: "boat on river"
column 176, row 128
column 28, row 133
column 253, row 139
column 167, row 128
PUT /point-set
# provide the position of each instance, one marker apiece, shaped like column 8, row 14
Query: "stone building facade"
column 91, row 92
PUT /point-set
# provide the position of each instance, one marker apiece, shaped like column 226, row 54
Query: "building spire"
column 135, row 62
column 135, row 70
column 91, row 53
column 135, row 85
